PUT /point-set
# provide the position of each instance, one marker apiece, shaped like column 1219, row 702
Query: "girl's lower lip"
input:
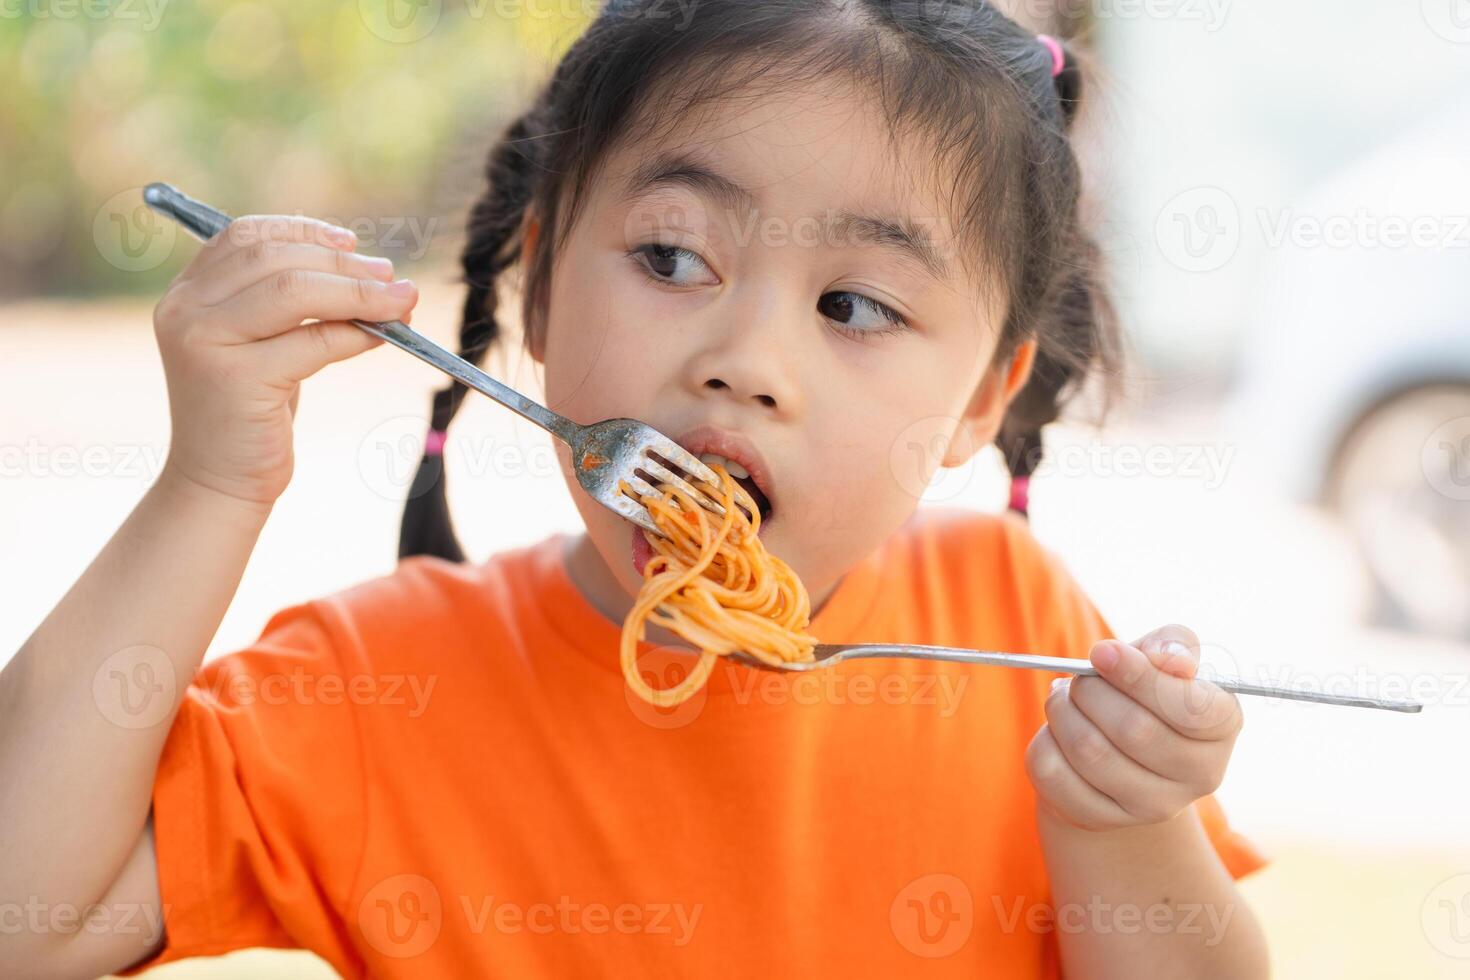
column 643, row 551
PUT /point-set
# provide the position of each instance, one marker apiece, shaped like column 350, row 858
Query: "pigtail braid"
column 493, row 246
column 1081, row 328
column 1079, row 338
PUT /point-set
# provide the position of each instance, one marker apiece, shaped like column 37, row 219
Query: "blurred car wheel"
column 1400, row 482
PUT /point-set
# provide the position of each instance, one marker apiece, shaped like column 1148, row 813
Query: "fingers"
column 1065, row 792
column 1138, row 733
column 1172, row 648
column 1192, row 707
column 1144, row 795
column 245, row 266
column 255, row 229
column 297, row 354
column 285, row 298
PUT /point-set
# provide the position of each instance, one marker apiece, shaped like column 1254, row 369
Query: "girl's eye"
column 671, row 264
column 860, row 315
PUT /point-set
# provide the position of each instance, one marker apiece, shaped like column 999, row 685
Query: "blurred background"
column 1283, row 190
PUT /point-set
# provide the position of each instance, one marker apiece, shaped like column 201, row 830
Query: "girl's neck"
column 590, row 574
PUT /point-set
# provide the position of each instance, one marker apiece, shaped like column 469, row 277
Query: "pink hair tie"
column 1058, row 56
column 1020, row 492
column 434, row 442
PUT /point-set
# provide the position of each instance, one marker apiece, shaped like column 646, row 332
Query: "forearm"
column 86, row 704
column 1147, row 901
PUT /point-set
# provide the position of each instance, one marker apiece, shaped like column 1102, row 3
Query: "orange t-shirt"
column 440, row 772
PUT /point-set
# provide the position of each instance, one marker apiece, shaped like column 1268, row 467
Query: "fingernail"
column 1105, row 656
column 343, row 236
column 1179, row 660
column 379, row 265
column 1060, row 682
column 402, row 287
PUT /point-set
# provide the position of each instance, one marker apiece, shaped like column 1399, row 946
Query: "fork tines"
column 663, row 474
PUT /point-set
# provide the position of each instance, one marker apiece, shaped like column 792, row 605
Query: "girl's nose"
column 750, row 368
column 718, row 384
column 748, row 351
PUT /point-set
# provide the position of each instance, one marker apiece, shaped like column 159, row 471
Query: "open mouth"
column 740, row 458
column 742, row 476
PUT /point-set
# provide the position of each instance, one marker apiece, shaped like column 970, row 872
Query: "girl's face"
column 778, row 286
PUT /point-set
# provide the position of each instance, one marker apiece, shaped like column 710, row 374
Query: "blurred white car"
column 1355, row 380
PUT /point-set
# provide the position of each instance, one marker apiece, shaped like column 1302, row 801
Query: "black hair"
column 959, row 73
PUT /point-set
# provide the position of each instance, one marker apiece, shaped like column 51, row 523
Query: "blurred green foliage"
column 374, row 113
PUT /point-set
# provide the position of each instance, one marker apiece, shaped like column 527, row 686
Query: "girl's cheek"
column 587, row 384
column 851, row 486
column 592, row 352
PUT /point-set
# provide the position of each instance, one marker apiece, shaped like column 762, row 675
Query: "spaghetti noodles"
column 711, row 582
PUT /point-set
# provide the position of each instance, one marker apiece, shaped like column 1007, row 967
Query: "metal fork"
column 826, row 655
column 603, row 453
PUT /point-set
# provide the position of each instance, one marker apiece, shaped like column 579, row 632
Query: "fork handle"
column 1081, row 668
column 205, row 222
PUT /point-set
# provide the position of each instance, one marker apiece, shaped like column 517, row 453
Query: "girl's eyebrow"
column 897, row 234
column 680, row 170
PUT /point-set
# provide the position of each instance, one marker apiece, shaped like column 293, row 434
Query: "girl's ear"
column 987, row 409
column 532, row 228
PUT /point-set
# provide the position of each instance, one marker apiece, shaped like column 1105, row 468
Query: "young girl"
column 801, row 235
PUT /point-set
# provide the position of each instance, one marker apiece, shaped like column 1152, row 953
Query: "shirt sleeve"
column 257, row 802
column 1070, row 624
